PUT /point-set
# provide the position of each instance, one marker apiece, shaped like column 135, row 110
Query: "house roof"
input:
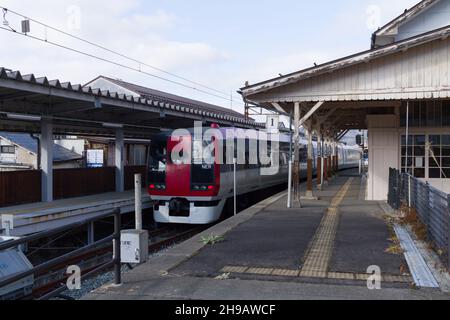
column 152, row 94
column 28, row 142
column 335, row 65
column 405, row 16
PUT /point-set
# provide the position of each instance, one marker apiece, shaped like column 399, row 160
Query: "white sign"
column 273, row 124
column 94, row 158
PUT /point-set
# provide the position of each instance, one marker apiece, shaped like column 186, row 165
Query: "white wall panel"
column 417, row 73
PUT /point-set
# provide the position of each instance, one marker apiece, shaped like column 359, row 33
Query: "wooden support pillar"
column 319, row 160
column 329, row 172
column 333, row 159
column 296, row 169
column 336, row 158
column 325, row 163
column 309, row 168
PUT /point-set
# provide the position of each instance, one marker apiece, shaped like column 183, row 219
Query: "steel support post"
column 46, row 160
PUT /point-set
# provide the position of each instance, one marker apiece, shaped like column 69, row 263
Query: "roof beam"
column 342, row 134
column 311, row 112
column 277, row 106
column 321, row 120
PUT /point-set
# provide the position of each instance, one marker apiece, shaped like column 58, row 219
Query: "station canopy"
column 76, row 109
column 342, row 93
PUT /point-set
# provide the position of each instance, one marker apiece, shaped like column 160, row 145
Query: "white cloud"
column 119, row 25
column 155, row 38
column 160, row 19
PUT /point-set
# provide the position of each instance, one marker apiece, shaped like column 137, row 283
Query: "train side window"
column 303, row 154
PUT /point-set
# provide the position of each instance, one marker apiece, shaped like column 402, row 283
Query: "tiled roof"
column 149, row 93
column 184, row 109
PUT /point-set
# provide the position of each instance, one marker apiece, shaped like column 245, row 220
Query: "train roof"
column 241, row 133
column 225, row 131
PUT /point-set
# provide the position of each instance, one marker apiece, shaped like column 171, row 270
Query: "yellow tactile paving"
column 390, row 278
column 362, row 277
column 341, row 276
column 313, row 274
column 234, row 269
column 260, row 271
column 321, row 248
column 285, row 273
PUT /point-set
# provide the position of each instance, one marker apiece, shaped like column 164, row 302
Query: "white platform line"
column 421, row 273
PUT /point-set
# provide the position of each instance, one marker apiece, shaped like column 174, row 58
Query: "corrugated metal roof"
column 335, row 65
column 152, row 94
column 97, row 93
column 26, row 141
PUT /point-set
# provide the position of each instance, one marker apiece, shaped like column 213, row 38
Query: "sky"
column 221, row 44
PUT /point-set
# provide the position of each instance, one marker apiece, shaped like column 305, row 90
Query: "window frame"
column 428, row 166
column 2, row 148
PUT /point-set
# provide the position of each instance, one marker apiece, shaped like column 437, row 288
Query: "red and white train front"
column 183, row 193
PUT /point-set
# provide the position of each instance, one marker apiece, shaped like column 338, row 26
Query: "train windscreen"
column 157, row 162
column 202, row 170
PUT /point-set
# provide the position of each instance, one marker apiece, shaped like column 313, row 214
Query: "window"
column 439, row 157
column 414, row 155
column 424, row 114
column 157, row 162
column 8, row 150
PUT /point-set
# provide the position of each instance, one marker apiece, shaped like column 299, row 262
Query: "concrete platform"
column 321, row 251
column 35, row 217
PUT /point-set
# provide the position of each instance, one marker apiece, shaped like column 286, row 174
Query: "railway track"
column 55, row 278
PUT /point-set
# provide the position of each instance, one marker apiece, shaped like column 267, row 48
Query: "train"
column 194, row 188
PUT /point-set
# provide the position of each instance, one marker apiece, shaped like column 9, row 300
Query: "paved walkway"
column 321, row 251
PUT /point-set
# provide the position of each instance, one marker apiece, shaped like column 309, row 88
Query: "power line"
column 112, row 62
column 118, row 54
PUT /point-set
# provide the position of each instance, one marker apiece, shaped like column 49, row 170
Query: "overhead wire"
column 216, row 94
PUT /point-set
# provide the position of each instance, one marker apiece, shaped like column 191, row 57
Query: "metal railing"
column 432, row 207
column 114, row 263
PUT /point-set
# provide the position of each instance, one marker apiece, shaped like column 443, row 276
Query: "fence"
column 20, row 187
column 69, row 183
column 432, row 206
column 68, row 257
column 17, row 187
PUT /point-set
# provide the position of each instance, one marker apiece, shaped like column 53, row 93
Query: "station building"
column 401, row 84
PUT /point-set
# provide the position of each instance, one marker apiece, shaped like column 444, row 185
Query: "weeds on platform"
column 212, row 239
column 410, row 217
column 395, row 247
